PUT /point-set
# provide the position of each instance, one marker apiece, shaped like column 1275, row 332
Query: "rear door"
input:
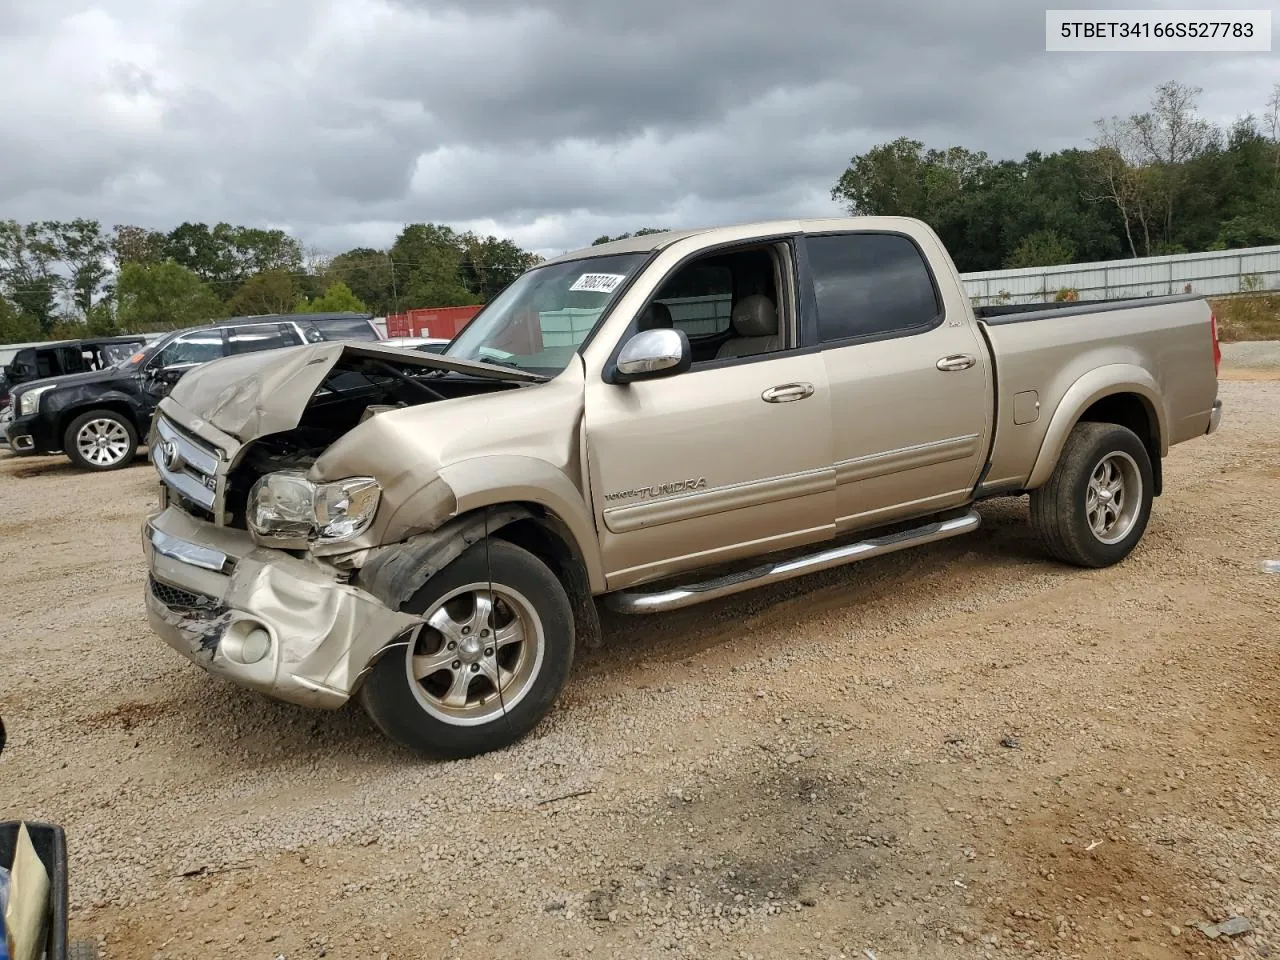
column 910, row 379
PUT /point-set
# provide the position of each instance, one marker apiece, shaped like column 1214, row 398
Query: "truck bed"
column 1022, row 312
column 1161, row 346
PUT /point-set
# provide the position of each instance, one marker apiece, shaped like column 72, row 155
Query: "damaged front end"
column 253, row 551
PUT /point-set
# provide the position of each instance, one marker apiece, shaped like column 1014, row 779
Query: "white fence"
column 1215, row 273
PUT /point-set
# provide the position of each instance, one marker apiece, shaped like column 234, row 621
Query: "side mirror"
column 653, row 353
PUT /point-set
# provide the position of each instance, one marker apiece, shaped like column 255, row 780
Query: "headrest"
column 656, row 316
column 755, row 316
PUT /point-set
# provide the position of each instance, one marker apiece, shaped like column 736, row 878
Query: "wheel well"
column 115, row 406
column 545, row 536
column 1134, row 412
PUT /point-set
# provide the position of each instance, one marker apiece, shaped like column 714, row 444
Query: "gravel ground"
column 962, row 750
column 1252, row 355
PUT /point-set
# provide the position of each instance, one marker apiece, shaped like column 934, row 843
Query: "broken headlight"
column 287, row 510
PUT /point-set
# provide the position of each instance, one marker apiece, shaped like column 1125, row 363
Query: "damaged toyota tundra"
column 647, row 424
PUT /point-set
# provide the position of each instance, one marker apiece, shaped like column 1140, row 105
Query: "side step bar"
column 634, row 601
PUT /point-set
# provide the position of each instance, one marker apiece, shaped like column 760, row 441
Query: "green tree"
column 162, row 296
column 27, row 255
column 489, row 264
column 1044, row 248
column 273, row 291
column 367, row 273
column 428, row 261
column 16, row 327
column 130, row 244
column 337, row 298
column 84, row 251
column 260, row 251
column 205, row 252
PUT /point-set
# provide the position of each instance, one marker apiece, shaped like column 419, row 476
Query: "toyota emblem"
column 169, row 455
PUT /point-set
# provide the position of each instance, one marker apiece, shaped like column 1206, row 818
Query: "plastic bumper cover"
column 213, row 593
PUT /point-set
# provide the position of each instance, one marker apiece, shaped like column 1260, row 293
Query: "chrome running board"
column 634, row 601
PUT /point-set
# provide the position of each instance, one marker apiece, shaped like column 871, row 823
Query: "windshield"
column 115, row 354
column 540, row 320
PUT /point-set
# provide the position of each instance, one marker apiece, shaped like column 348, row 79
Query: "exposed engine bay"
column 357, row 387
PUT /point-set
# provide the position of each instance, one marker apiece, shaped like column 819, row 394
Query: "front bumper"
column 211, row 587
column 31, row 434
column 1215, row 417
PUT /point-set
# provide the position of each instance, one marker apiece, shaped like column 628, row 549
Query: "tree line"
column 1162, row 181
column 74, row 278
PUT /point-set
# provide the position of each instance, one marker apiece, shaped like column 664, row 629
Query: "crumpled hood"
column 262, row 393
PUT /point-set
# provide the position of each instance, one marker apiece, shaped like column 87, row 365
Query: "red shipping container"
column 444, row 322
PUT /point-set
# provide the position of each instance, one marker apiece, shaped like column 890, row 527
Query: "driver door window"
column 731, row 304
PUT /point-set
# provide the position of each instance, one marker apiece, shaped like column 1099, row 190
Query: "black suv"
column 23, row 362
column 96, row 418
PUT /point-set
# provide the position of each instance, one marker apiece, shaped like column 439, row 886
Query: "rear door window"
column 345, row 328
column 262, row 336
column 870, row 285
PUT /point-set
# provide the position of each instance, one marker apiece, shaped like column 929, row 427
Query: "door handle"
column 786, row 392
column 957, row 361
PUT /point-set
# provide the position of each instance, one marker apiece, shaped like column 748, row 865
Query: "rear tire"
column 439, row 695
column 100, row 440
column 1095, row 506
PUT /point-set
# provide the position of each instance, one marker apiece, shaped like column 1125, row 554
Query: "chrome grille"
column 186, row 465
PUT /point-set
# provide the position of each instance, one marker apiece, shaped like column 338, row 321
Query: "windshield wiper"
column 510, row 364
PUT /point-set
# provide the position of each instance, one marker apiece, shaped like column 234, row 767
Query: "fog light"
column 246, row 642
column 256, row 645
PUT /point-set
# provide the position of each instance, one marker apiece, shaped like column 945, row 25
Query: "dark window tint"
column 870, row 284
column 191, row 348
column 262, row 336
column 343, row 328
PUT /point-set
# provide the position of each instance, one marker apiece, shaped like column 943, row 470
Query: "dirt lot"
column 963, row 750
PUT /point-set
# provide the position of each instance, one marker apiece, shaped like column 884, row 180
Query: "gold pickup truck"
column 648, row 423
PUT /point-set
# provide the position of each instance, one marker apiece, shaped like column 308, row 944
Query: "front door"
column 700, row 467
column 910, row 380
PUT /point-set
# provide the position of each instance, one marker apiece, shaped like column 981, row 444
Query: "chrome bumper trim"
column 1215, row 417
column 192, row 554
column 23, row 443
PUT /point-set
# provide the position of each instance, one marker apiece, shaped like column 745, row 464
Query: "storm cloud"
column 551, row 121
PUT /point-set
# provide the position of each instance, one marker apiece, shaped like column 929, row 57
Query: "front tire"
column 1095, row 506
column 100, row 440
column 488, row 664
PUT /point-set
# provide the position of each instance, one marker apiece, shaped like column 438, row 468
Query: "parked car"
column 21, row 363
column 425, row 344
column 677, row 417
column 96, row 418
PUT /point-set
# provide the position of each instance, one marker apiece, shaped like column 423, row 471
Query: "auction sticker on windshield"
column 598, row 282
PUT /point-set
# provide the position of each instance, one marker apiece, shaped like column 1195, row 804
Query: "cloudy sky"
column 550, row 121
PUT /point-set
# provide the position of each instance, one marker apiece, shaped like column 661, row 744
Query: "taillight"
column 1217, row 350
